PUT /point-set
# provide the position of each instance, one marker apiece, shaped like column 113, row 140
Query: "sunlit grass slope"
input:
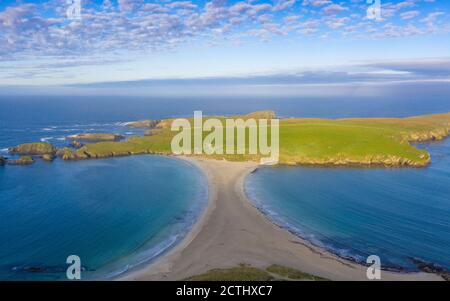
column 368, row 141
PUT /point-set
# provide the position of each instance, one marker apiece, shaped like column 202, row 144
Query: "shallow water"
column 113, row 213
column 116, row 213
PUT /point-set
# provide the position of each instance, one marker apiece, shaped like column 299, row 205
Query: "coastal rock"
column 96, row 137
column 66, row 153
column 433, row 135
column 3, row 161
column 81, row 154
column 143, row 123
column 375, row 160
column 37, row 148
column 48, row 157
column 76, row 144
column 24, row 160
column 428, row 267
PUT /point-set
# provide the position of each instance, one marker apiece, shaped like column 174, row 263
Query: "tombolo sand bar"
column 232, row 231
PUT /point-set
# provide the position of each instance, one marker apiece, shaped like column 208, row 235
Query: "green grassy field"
column 380, row 141
column 245, row 272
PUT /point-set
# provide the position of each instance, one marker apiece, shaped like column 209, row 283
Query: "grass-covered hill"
column 358, row 141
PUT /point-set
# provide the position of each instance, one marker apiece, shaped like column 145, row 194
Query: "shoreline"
column 296, row 232
column 193, row 221
column 231, row 230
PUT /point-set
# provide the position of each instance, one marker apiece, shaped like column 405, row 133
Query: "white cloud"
column 333, row 9
column 409, row 14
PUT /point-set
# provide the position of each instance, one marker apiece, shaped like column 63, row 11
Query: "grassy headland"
column 303, row 141
column 369, row 141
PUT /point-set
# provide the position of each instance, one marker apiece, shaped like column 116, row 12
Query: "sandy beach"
column 232, row 231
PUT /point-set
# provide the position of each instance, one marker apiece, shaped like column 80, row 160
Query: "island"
column 36, row 148
column 233, row 240
column 303, row 141
column 95, row 137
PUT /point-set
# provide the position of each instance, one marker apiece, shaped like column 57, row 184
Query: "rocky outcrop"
column 96, row 137
column 432, row 135
column 48, row 157
column 24, row 160
column 143, row 124
column 379, row 160
column 76, row 144
column 66, row 153
column 428, row 267
column 37, row 148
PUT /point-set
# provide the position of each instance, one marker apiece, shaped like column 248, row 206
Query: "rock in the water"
column 48, row 157
column 96, row 137
column 36, row 148
column 2, row 161
column 24, row 160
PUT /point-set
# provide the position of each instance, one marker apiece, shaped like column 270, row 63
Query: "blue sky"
column 271, row 42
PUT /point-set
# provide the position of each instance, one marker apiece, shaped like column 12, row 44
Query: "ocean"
column 399, row 214
column 118, row 213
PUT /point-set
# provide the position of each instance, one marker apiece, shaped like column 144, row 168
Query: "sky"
column 142, row 43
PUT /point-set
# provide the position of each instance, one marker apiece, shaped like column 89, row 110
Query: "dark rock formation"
column 428, row 267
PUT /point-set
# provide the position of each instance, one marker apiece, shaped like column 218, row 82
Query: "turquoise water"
column 397, row 214
column 113, row 213
column 120, row 212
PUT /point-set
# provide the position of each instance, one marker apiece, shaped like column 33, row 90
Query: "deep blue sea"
column 117, row 213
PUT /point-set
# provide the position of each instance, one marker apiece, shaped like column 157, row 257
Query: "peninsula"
column 303, row 141
column 233, row 240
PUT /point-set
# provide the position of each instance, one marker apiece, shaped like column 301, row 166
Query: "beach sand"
column 232, row 231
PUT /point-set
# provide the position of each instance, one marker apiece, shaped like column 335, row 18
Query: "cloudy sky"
column 255, row 42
